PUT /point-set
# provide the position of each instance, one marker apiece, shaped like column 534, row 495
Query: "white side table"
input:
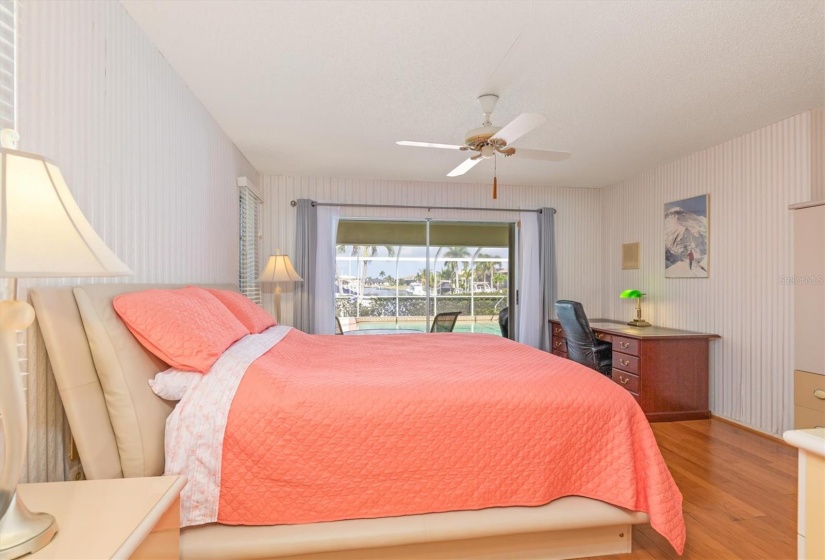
column 811, row 513
column 121, row 518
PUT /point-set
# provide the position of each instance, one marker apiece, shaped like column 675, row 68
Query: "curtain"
column 529, row 288
column 547, row 273
column 324, row 322
column 537, row 279
column 306, row 248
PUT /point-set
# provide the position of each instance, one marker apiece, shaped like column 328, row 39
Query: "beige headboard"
column 101, row 372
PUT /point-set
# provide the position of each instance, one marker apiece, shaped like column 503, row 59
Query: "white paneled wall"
column 751, row 181
column 578, row 228
column 152, row 171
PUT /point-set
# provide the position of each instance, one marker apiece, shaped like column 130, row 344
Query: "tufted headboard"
column 101, row 372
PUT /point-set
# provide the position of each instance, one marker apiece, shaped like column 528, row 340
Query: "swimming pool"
column 487, row 327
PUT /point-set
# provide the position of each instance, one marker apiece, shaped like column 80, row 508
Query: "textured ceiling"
column 326, row 88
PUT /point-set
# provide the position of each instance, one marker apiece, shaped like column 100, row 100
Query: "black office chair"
column 504, row 322
column 445, row 322
column 582, row 344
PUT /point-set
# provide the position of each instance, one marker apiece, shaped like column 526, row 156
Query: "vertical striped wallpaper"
column 818, row 155
column 151, row 170
column 751, row 181
column 578, row 229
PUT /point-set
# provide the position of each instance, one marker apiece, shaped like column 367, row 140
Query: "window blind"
column 7, row 64
column 249, row 266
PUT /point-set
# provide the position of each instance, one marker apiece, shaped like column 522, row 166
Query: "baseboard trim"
column 750, row 429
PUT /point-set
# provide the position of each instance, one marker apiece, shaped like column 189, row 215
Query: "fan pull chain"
column 495, row 178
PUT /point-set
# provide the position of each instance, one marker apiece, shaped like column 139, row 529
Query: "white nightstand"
column 811, row 515
column 120, row 518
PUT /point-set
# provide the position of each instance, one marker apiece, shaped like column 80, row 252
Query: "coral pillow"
column 252, row 315
column 188, row 329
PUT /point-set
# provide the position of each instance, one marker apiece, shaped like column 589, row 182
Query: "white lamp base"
column 23, row 532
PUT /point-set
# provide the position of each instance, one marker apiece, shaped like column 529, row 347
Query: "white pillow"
column 173, row 383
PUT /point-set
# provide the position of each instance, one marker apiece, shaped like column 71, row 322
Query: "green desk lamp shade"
column 627, row 294
column 637, row 295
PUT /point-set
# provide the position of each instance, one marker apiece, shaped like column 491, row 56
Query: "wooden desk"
column 666, row 370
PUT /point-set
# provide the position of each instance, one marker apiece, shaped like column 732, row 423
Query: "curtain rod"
column 539, row 211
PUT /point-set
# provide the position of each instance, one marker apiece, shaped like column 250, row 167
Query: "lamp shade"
column 279, row 269
column 43, row 233
column 631, row 294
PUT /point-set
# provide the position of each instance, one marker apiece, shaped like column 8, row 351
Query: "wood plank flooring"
column 739, row 492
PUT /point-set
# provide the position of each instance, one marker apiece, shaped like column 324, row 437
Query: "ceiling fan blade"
column 464, row 167
column 520, row 126
column 547, row 155
column 428, row 145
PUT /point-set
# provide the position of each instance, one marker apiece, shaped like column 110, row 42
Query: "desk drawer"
column 626, row 380
column 626, row 362
column 809, row 390
column 557, row 330
column 559, row 344
column 603, row 336
column 626, row 345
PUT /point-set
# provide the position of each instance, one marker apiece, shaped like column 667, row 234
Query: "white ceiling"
column 326, row 88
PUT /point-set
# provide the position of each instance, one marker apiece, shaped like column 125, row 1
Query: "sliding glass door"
column 400, row 274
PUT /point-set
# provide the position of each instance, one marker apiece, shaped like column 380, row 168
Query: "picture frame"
column 687, row 238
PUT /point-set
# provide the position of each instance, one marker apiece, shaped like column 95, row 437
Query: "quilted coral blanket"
column 293, row 428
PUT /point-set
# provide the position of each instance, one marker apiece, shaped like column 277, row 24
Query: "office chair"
column 582, row 344
column 504, row 322
column 445, row 322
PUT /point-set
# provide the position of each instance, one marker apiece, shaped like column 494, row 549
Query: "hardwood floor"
column 739, row 492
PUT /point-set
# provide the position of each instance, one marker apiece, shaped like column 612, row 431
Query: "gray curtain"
column 306, row 246
column 547, row 273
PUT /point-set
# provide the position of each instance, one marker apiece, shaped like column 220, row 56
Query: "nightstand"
column 119, row 518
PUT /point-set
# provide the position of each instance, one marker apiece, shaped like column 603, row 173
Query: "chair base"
column 638, row 323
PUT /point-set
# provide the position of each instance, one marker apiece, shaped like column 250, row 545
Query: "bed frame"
column 571, row 527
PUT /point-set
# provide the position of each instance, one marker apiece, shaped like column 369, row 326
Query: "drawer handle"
column 820, row 394
column 624, row 362
column 624, row 380
column 557, row 330
column 624, row 344
column 599, row 335
column 557, row 343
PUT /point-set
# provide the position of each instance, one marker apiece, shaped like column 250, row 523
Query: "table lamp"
column 279, row 270
column 637, row 295
column 43, row 233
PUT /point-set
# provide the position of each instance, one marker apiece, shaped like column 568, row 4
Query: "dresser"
column 666, row 370
column 808, row 285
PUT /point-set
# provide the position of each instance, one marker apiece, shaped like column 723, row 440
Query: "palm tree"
column 455, row 253
column 366, row 252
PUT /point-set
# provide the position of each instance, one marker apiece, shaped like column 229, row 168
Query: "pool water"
column 487, row 327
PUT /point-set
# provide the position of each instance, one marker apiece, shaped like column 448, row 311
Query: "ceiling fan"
column 489, row 140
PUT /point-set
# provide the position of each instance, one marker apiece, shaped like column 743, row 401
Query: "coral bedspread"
column 325, row 428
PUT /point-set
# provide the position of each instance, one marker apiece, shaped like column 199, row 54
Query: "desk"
column 666, row 370
column 384, row 331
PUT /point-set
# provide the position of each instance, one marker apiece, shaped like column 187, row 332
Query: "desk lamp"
column 43, row 234
column 279, row 270
column 637, row 295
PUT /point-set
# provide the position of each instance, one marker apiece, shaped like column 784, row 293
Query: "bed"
column 120, row 432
